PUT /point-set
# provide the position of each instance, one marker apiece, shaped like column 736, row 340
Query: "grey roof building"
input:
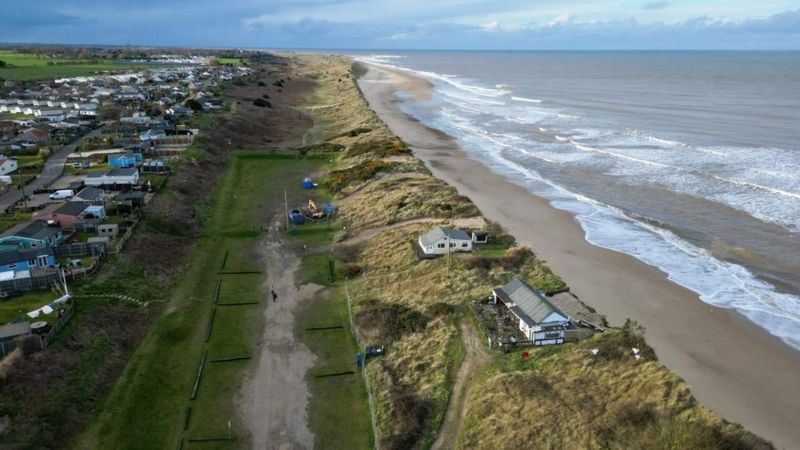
column 539, row 320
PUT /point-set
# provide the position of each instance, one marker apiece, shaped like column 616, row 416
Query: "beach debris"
column 636, row 353
column 595, row 351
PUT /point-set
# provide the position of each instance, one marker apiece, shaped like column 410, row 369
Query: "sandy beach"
column 733, row 367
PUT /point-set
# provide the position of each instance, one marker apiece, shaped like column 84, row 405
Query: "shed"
column 480, row 237
column 11, row 331
column 105, row 240
column 107, row 229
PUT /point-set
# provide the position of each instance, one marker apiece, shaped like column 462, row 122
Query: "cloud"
column 656, row 5
column 490, row 26
column 412, row 24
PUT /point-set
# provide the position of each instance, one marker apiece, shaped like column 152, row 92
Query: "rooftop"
column 528, row 300
column 37, row 229
column 438, row 233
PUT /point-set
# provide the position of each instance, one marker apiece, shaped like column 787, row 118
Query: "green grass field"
column 338, row 412
column 147, row 407
column 229, row 60
column 25, row 66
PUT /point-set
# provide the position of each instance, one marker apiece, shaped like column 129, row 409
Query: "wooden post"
column 286, row 207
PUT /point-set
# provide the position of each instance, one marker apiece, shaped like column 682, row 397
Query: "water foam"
column 526, row 100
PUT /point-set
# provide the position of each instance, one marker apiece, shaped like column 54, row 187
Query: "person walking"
column 274, row 294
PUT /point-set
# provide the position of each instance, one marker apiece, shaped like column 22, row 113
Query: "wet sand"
column 732, row 366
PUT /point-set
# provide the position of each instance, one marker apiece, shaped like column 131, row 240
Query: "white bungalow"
column 7, row 165
column 439, row 241
column 540, row 321
column 113, row 178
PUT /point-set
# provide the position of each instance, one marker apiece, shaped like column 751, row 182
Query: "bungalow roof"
column 530, row 301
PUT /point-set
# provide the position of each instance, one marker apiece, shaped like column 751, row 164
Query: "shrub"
column 261, row 84
column 340, row 179
column 390, row 321
column 261, row 103
column 349, row 253
column 383, row 148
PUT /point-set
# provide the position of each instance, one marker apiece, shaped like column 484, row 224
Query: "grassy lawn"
column 338, row 412
column 229, row 60
column 25, row 66
column 315, row 269
column 147, row 407
column 17, row 307
column 9, row 220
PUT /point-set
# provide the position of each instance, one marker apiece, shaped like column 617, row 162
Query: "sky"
column 408, row 24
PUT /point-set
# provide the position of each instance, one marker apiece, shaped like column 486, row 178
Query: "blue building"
column 124, row 160
column 36, row 234
column 19, row 260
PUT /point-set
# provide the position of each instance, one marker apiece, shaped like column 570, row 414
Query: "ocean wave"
column 719, row 283
column 526, row 100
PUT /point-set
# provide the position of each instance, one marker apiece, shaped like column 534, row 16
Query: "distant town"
column 81, row 157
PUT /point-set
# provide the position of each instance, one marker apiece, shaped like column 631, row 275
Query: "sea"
column 687, row 161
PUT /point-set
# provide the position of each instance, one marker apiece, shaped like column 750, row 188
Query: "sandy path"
column 732, row 366
column 275, row 398
column 476, row 359
column 462, row 222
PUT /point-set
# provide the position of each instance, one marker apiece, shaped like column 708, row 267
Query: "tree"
column 194, row 104
column 110, row 112
column 2, row 63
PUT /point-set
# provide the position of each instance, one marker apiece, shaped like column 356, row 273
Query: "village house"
column 439, row 241
column 68, row 213
column 124, row 160
column 116, row 179
column 90, row 194
column 7, row 165
column 36, row 234
column 19, row 260
column 540, row 321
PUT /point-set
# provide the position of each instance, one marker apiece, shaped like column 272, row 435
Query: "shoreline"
column 720, row 354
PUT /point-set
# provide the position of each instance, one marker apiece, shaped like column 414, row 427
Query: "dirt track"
column 275, row 398
column 476, row 358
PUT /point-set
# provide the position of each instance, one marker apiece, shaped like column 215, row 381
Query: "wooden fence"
column 43, row 340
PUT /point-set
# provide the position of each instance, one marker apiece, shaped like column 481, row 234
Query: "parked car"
column 62, row 194
column 4, row 295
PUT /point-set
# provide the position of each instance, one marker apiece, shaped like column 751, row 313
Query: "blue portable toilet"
column 308, row 183
column 358, row 359
column 296, row 216
column 328, row 209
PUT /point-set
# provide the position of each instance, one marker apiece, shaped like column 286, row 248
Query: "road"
column 53, row 168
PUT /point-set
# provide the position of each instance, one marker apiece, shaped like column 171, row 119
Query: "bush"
column 340, row 179
column 349, row 270
column 348, row 253
column 383, row 148
column 410, row 411
column 193, row 104
column 261, row 103
column 619, row 344
column 390, row 321
column 262, row 84
column 514, row 258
